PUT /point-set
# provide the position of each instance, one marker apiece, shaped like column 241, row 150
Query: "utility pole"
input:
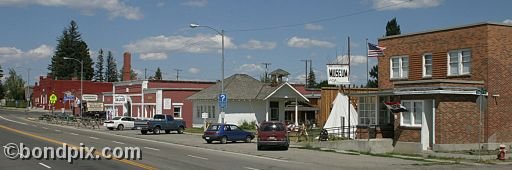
column 306, row 84
column 266, row 71
column 178, row 73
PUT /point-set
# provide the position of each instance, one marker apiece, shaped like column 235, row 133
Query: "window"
column 368, row 110
column 210, row 109
column 177, row 111
column 459, row 62
column 399, row 67
column 413, row 116
column 427, row 65
column 384, row 113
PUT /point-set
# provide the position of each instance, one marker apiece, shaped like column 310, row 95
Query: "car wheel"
column 144, row 132
column 167, row 131
column 110, row 128
column 156, row 130
column 285, row 148
column 224, row 140
column 180, row 130
column 120, row 127
column 208, row 141
column 248, row 139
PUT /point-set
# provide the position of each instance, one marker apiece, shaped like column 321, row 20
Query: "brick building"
column 436, row 75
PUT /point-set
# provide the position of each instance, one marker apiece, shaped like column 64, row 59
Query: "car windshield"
column 116, row 118
column 213, row 128
column 272, row 127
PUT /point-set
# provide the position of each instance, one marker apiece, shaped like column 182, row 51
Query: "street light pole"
column 221, row 33
column 81, row 82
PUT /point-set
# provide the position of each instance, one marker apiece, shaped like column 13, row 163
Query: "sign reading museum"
column 337, row 74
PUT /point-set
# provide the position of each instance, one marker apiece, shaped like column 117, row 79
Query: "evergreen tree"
column 158, row 74
column 374, row 74
column 71, row 45
column 99, row 74
column 311, row 78
column 392, row 28
column 14, row 85
column 2, row 92
column 111, row 74
column 133, row 75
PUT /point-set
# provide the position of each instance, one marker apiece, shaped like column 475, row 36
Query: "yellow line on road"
column 133, row 163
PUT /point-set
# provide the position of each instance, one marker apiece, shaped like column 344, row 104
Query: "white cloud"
column 194, row 70
column 195, row 3
column 354, row 59
column 164, row 44
column 115, row 8
column 508, row 21
column 398, row 4
column 313, row 27
column 306, row 43
column 255, row 44
column 12, row 53
column 153, row 56
column 248, row 57
column 250, row 69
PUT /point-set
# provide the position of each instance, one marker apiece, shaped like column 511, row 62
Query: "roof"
column 239, row 87
column 279, row 72
column 446, row 29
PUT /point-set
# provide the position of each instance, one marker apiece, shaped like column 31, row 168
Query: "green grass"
column 194, row 130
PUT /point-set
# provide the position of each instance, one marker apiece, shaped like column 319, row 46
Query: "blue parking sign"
column 223, row 100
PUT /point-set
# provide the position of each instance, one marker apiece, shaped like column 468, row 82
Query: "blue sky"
column 282, row 32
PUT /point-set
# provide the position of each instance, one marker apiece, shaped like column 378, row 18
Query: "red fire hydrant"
column 502, row 152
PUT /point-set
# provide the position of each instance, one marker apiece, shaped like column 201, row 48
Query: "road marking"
column 45, row 128
column 13, row 121
column 42, row 164
column 152, row 148
column 118, row 142
column 94, row 137
column 97, row 153
column 56, row 130
column 73, row 134
column 198, row 157
column 34, row 125
column 251, row 168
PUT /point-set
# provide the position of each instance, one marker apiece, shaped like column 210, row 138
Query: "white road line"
column 34, row 125
column 251, row 168
column 152, row 148
column 198, row 157
column 73, row 134
column 13, row 121
column 94, row 137
column 56, row 130
column 46, row 166
column 118, row 142
column 45, row 128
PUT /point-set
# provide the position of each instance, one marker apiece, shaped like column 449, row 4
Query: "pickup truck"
column 160, row 122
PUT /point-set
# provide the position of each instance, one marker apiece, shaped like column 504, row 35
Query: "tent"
column 339, row 114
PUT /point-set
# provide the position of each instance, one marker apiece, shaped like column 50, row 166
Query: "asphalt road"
column 180, row 151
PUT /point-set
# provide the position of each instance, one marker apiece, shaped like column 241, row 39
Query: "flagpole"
column 367, row 78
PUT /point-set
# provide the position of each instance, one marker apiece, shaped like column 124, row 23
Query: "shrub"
column 248, row 125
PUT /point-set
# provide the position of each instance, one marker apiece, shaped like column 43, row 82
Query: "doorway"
column 274, row 111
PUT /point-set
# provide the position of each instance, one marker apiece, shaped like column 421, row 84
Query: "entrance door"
column 274, row 111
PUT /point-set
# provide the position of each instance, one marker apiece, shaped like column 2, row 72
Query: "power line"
column 178, row 73
column 318, row 20
column 266, row 70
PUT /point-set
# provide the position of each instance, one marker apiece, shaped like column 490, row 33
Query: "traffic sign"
column 69, row 97
column 53, row 99
column 223, row 100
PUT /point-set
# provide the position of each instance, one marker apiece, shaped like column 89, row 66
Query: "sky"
column 284, row 32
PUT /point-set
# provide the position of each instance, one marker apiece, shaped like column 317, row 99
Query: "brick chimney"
column 127, row 66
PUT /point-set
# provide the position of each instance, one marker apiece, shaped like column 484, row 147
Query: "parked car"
column 119, row 123
column 225, row 133
column 273, row 134
column 160, row 122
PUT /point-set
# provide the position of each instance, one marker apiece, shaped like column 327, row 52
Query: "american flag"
column 375, row 50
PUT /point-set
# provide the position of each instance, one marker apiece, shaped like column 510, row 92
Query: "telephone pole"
column 266, row 71
column 178, row 73
column 306, row 75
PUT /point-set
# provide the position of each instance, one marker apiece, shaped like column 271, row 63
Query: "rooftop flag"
column 375, row 50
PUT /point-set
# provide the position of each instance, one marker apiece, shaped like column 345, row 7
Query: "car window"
column 123, row 119
column 234, row 128
column 116, row 118
column 159, row 117
column 272, row 127
column 213, row 128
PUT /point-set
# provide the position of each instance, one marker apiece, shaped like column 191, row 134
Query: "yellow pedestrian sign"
column 53, row 99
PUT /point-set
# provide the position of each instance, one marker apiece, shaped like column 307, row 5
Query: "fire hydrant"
column 502, row 152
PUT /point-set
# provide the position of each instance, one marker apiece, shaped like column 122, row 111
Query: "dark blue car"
column 225, row 133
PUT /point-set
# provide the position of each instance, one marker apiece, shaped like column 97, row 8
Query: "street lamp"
column 221, row 33
column 81, row 81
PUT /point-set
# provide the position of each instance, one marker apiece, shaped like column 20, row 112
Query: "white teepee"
column 340, row 112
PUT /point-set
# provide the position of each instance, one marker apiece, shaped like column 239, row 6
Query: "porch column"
column 143, row 113
column 114, row 113
column 296, row 112
column 266, row 110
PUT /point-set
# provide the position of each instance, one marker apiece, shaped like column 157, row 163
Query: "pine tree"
column 374, row 74
column 111, row 74
column 71, row 45
column 99, row 74
column 2, row 92
column 158, row 74
column 133, row 75
column 311, row 78
column 392, row 28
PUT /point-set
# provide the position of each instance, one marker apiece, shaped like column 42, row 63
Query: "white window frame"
column 425, row 65
column 400, row 67
column 367, row 111
column 177, row 105
column 411, row 112
column 460, row 71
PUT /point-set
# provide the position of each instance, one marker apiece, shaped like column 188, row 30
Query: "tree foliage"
column 158, row 74
column 71, row 45
column 99, row 74
column 392, row 28
column 374, row 74
column 2, row 91
column 111, row 74
column 311, row 78
column 14, row 85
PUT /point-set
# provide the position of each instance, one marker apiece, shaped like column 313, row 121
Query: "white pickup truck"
column 120, row 123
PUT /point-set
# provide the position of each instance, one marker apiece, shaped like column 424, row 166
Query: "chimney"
column 127, row 66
